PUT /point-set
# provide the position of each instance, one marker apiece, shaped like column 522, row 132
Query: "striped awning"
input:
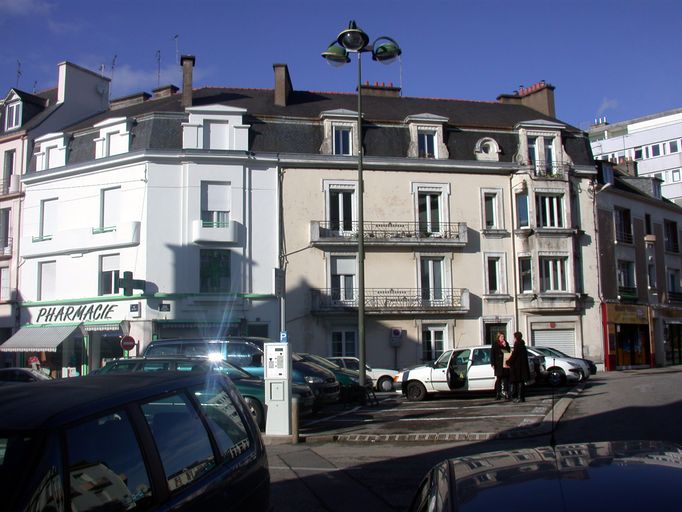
column 38, row 339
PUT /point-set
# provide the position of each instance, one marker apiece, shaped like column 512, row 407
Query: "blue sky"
column 619, row 59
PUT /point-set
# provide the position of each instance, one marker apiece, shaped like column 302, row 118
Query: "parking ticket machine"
column 278, row 389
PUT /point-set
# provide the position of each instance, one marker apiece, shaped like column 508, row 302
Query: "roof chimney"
column 539, row 96
column 380, row 89
column 283, row 87
column 187, row 63
column 164, row 91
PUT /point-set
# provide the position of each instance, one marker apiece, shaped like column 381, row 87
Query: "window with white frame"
column 525, row 274
column 109, row 272
column 341, row 206
column 433, row 342
column 429, row 204
column 48, row 219
column 522, row 214
column 549, row 210
column 626, row 276
column 215, row 204
column 655, row 150
column 676, row 175
column 431, row 278
column 13, row 115
column 47, row 280
column 491, row 209
column 542, row 156
column 638, row 153
column 343, row 140
column 110, row 200
column 344, row 343
column 494, row 269
column 673, row 146
column 5, row 293
column 553, row 274
column 214, row 271
column 342, row 278
column 426, row 143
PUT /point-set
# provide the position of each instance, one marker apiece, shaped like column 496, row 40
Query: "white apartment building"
column 654, row 142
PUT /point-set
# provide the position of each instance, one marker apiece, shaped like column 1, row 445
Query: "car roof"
column 227, row 339
column 47, row 403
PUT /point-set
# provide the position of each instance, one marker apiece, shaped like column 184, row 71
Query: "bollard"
column 294, row 420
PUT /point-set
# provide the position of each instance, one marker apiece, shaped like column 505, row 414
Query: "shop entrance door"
column 673, row 352
column 632, row 346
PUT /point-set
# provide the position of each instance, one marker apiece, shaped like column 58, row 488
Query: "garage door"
column 560, row 339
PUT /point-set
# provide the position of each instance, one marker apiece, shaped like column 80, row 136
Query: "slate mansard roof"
column 297, row 127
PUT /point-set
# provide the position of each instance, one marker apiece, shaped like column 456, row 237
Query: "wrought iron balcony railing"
column 547, row 170
column 627, row 292
column 675, row 296
column 623, row 236
column 391, row 300
column 449, row 233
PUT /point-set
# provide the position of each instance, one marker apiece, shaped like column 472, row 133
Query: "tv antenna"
column 18, row 72
column 176, row 37
column 113, row 67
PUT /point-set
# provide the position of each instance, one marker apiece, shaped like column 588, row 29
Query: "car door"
column 481, row 375
column 439, row 371
column 449, row 372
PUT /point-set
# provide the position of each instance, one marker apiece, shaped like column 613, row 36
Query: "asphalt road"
column 349, row 461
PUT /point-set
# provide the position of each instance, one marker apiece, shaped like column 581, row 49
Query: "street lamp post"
column 385, row 50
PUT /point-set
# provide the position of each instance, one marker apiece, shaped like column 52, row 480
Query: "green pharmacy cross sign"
column 129, row 284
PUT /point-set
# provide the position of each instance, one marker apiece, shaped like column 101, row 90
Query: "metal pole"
column 361, row 236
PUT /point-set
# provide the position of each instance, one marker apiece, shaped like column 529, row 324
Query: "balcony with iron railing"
column 377, row 233
column 391, row 300
column 10, row 185
column 671, row 245
column 549, row 170
column 624, row 236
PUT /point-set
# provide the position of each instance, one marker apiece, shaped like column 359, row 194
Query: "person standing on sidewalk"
column 519, row 370
column 499, row 353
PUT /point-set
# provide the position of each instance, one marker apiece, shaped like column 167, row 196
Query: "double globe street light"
column 384, row 50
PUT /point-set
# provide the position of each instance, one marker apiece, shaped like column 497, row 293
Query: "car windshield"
column 551, row 352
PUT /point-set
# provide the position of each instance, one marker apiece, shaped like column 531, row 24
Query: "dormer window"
column 339, row 132
column 487, row 149
column 13, row 116
column 51, row 151
column 114, row 137
column 215, row 127
column 540, row 147
column 426, row 136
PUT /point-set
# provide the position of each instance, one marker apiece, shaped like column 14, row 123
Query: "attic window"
column 114, row 137
column 426, row 136
column 338, row 136
column 13, row 116
column 51, row 151
column 487, row 149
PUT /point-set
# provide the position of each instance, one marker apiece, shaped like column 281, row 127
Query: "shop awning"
column 38, row 339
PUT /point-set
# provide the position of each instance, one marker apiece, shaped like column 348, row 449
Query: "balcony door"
column 429, row 204
column 341, row 209
column 431, row 279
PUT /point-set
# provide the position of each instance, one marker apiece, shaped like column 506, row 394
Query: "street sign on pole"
column 127, row 343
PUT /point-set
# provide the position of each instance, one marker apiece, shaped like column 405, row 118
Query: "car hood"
column 623, row 476
column 312, row 369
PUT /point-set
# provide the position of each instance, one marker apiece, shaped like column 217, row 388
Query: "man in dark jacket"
column 497, row 356
column 519, row 370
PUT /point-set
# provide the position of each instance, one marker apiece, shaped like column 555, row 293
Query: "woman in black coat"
column 497, row 352
column 519, row 370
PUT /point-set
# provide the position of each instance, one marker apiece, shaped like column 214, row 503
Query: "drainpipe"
column 515, row 262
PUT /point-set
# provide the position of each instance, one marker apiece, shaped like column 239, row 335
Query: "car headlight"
column 311, row 379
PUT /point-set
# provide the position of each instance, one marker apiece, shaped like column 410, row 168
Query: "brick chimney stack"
column 380, row 89
column 539, row 96
column 187, row 63
column 283, row 87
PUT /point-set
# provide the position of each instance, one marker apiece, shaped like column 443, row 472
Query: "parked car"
column 382, row 377
column 151, row 441
column 251, row 388
column 589, row 477
column 562, row 370
column 348, row 379
column 15, row 375
column 247, row 353
column 463, row 369
column 549, row 352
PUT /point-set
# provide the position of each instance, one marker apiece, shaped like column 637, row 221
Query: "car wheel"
column 256, row 410
column 416, row 391
column 556, row 377
column 385, row 384
column 581, row 376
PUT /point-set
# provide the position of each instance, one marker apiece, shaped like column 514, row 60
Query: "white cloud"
column 25, row 7
column 606, row 104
